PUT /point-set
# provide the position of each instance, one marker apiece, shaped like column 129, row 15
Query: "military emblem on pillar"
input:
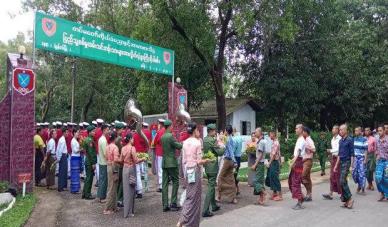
column 23, row 80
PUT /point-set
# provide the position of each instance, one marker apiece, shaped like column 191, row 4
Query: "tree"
column 321, row 62
column 218, row 24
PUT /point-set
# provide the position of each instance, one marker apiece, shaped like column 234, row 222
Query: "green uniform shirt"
column 210, row 144
column 169, row 145
column 91, row 157
column 322, row 145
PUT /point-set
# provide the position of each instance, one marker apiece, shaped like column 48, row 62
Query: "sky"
column 13, row 19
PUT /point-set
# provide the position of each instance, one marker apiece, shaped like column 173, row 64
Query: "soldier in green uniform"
column 211, row 170
column 322, row 149
column 90, row 163
column 170, row 168
column 119, row 129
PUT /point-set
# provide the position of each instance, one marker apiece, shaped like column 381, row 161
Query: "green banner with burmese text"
column 75, row 39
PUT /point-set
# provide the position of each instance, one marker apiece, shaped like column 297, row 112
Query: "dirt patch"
column 46, row 210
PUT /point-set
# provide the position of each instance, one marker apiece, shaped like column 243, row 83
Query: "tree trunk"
column 221, row 111
column 216, row 68
column 216, row 75
column 85, row 110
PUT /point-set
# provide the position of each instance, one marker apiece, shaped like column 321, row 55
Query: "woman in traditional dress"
column 113, row 161
column 50, row 160
column 272, row 179
column 129, row 158
column 75, row 164
column 226, row 183
column 192, row 161
column 251, row 152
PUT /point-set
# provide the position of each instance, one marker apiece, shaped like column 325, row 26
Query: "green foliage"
column 18, row 215
column 4, row 186
column 323, row 62
column 287, row 146
column 317, row 62
column 101, row 90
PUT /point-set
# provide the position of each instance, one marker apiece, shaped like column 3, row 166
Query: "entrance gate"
column 17, row 118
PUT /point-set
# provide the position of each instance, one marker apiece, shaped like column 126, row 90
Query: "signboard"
column 75, row 39
column 24, row 178
column 23, row 80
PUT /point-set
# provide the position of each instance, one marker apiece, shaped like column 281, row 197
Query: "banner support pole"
column 172, row 97
column 33, row 41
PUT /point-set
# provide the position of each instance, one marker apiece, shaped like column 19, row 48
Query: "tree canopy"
column 318, row 62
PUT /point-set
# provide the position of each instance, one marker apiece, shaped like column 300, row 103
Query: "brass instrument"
column 134, row 118
column 182, row 114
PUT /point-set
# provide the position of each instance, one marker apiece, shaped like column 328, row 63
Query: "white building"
column 240, row 113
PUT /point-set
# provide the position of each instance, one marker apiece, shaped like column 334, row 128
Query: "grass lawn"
column 19, row 213
column 284, row 171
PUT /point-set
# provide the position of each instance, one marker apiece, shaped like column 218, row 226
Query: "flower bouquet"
column 210, row 156
column 251, row 149
column 143, row 156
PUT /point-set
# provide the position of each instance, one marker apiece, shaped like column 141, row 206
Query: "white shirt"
column 102, row 143
column 61, row 148
column 300, row 146
column 75, row 148
column 335, row 145
column 51, row 147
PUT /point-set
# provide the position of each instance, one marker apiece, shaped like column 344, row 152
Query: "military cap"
column 211, row 126
column 90, row 128
column 167, row 123
column 119, row 125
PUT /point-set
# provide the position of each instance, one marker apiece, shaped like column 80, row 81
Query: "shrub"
column 244, row 157
column 4, row 186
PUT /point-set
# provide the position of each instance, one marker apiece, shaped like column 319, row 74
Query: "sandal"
column 327, row 196
column 108, row 212
column 350, row 204
column 234, row 201
column 277, row 198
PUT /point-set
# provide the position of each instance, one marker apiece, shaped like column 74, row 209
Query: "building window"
column 245, row 128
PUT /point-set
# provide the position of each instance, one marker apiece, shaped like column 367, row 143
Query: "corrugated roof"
column 208, row 108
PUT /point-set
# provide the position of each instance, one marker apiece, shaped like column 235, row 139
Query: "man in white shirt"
column 308, row 164
column 334, row 176
column 295, row 177
column 103, row 169
column 62, row 157
column 51, row 158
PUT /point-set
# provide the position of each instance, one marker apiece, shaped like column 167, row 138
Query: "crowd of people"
column 110, row 152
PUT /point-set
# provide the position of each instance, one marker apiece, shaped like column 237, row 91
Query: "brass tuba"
column 134, row 118
column 182, row 114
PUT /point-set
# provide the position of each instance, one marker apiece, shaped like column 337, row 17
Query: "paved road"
column 367, row 212
column 65, row 209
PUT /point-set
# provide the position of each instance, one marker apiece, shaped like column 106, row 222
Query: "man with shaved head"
column 334, row 175
column 344, row 163
column 295, row 177
column 259, row 168
column 371, row 163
